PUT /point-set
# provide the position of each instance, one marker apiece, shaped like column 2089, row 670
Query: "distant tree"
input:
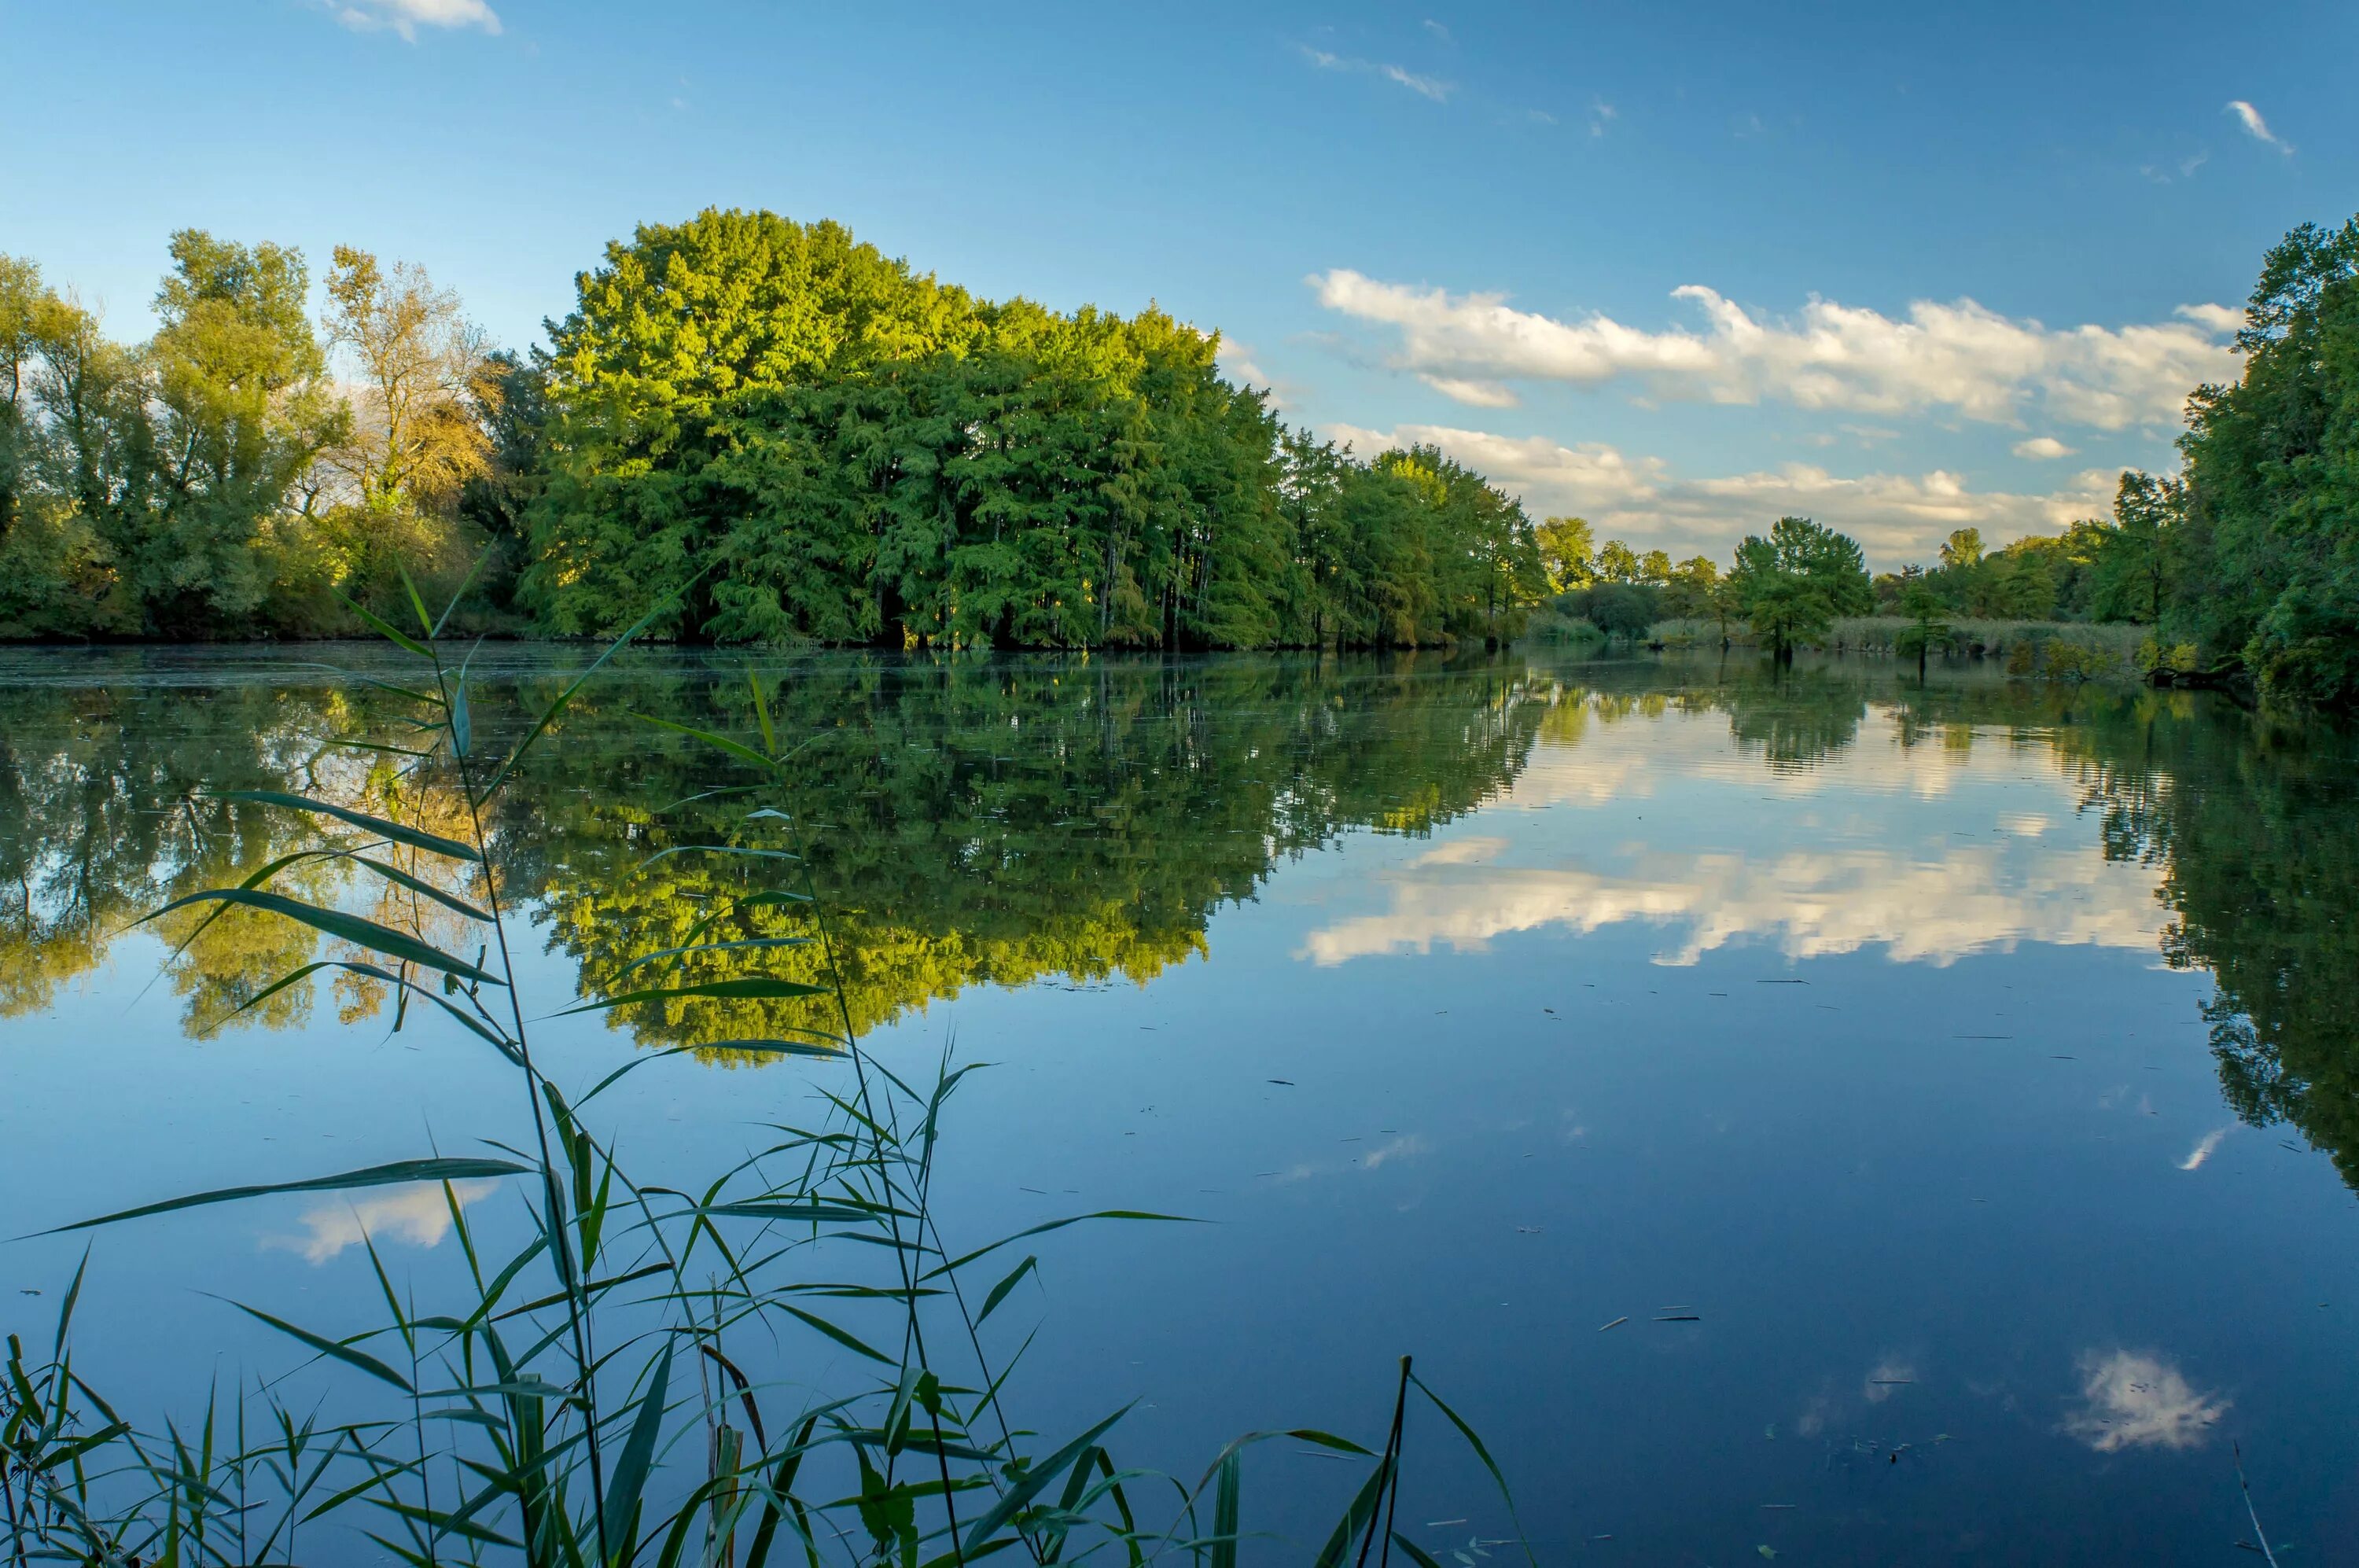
column 1619, row 609
column 2133, row 566
column 1792, row 584
column 1688, row 588
column 1926, row 626
column 1617, row 563
column 242, row 410
column 1962, row 550
column 1567, row 553
column 1655, row 568
column 424, row 378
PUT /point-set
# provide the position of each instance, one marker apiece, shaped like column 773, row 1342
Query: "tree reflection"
column 1012, row 822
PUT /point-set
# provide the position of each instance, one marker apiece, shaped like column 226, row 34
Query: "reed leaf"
column 440, row 1168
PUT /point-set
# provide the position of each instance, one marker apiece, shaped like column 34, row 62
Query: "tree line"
column 785, row 433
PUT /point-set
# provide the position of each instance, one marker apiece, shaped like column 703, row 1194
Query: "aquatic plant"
column 544, row 1415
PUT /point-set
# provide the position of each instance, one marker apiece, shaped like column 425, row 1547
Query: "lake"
column 1810, row 1114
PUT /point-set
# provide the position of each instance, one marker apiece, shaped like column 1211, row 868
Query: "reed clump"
column 592, row 1397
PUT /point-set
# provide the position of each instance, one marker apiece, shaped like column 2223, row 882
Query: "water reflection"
column 419, row 1215
column 1007, row 823
column 2130, row 1400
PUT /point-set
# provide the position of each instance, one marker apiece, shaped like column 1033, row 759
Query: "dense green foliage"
column 803, row 440
column 2248, row 562
column 2262, row 549
column 811, row 441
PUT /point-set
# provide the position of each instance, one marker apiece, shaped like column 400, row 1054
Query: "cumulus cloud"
column 2043, row 447
column 1958, row 357
column 418, row 1214
column 405, row 17
column 1806, row 904
column 2255, row 126
column 1430, row 87
column 1895, row 517
column 2140, row 1402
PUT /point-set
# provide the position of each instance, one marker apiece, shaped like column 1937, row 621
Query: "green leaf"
column 999, row 1291
column 462, row 728
column 336, row 923
column 738, row 749
column 384, row 627
column 467, row 582
column 1474, row 1441
column 549, row 716
column 1059, row 1224
column 1416, row 1554
column 630, row 1477
column 1225, row 1512
column 417, row 604
column 1035, row 1480
column 424, row 888
column 753, row 985
column 380, row 825
column 436, row 1169
column 326, row 1346
column 762, row 711
column 1356, row 1516
column 841, row 1336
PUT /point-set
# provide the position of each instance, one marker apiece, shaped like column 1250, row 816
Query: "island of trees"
column 790, row 437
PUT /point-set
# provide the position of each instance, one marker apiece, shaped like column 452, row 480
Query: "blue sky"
column 1677, row 269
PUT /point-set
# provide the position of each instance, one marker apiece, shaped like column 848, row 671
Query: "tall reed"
column 542, row 1417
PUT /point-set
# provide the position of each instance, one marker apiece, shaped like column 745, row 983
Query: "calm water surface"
column 1968, row 1073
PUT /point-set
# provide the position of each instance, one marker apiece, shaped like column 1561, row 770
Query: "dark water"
column 1967, row 1072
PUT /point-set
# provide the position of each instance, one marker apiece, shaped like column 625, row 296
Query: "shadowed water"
column 1945, row 1093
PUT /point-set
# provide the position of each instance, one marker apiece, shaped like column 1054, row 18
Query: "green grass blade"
column 630, row 1477
column 358, row 1359
column 753, row 985
column 549, row 718
column 1224, row 1511
column 465, row 583
column 1037, row 1480
column 442, row 1168
column 384, row 627
column 738, row 749
column 345, row 927
column 1356, row 1517
column 1416, row 1554
column 424, row 888
column 842, row 1336
column 1030, row 1265
column 1474, row 1442
column 1059, row 1225
column 397, row 832
column 762, row 711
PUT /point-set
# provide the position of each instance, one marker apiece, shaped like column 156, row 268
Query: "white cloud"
column 1427, row 86
column 418, row 1214
column 1438, row 30
column 1600, row 115
column 2256, row 127
column 2140, row 1402
column 2205, row 1147
column 1895, row 516
column 1958, row 357
column 1424, row 86
column 1474, row 394
column 2043, row 447
column 2220, row 319
column 405, row 17
column 1806, row 904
